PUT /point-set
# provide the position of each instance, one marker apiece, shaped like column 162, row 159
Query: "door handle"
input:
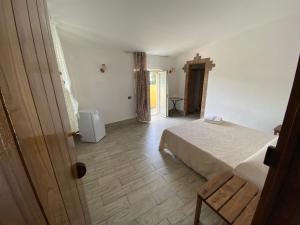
column 79, row 169
column 272, row 157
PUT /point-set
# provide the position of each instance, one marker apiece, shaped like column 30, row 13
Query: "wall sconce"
column 171, row 71
column 103, row 68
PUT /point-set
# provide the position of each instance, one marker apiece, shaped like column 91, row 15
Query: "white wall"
column 250, row 84
column 108, row 92
column 254, row 71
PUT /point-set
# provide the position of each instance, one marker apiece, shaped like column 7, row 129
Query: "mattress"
column 209, row 148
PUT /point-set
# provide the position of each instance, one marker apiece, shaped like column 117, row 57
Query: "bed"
column 253, row 169
column 210, row 148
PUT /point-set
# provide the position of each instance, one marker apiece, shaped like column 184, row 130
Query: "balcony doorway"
column 159, row 92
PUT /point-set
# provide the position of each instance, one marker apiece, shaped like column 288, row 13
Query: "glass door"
column 154, row 92
column 163, row 93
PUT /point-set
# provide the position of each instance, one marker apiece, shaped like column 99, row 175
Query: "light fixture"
column 171, row 71
column 103, row 68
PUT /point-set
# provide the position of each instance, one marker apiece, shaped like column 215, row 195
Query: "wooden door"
column 191, row 91
column 18, row 202
column 32, row 92
column 195, row 89
column 280, row 200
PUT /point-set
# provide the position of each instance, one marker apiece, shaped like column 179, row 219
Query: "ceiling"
column 165, row 27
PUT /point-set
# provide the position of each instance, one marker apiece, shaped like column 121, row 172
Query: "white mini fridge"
column 91, row 126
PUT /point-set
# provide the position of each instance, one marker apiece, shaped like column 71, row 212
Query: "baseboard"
column 122, row 122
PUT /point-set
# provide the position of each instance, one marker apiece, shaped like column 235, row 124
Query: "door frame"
column 208, row 65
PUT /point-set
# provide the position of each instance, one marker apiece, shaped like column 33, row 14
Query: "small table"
column 231, row 197
column 174, row 100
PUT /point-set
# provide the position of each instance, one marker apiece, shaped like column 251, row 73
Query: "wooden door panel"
column 186, row 91
column 191, row 91
column 41, row 83
column 25, row 120
column 32, row 91
column 18, row 203
column 56, row 81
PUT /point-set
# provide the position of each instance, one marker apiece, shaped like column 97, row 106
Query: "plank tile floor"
column 129, row 182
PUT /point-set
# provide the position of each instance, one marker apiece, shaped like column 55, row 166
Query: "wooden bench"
column 232, row 198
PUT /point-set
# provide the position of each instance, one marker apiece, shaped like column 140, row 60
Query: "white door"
column 163, row 93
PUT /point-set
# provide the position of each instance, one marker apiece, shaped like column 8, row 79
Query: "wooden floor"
column 129, row 182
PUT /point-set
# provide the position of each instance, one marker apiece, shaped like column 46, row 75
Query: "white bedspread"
column 209, row 148
column 253, row 168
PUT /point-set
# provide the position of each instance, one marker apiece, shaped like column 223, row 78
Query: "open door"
column 35, row 107
column 204, row 65
column 280, row 199
column 163, row 94
column 18, row 203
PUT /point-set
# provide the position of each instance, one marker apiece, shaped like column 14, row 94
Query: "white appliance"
column 91, row 126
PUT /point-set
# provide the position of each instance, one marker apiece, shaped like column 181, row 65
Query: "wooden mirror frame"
column 187, row 69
